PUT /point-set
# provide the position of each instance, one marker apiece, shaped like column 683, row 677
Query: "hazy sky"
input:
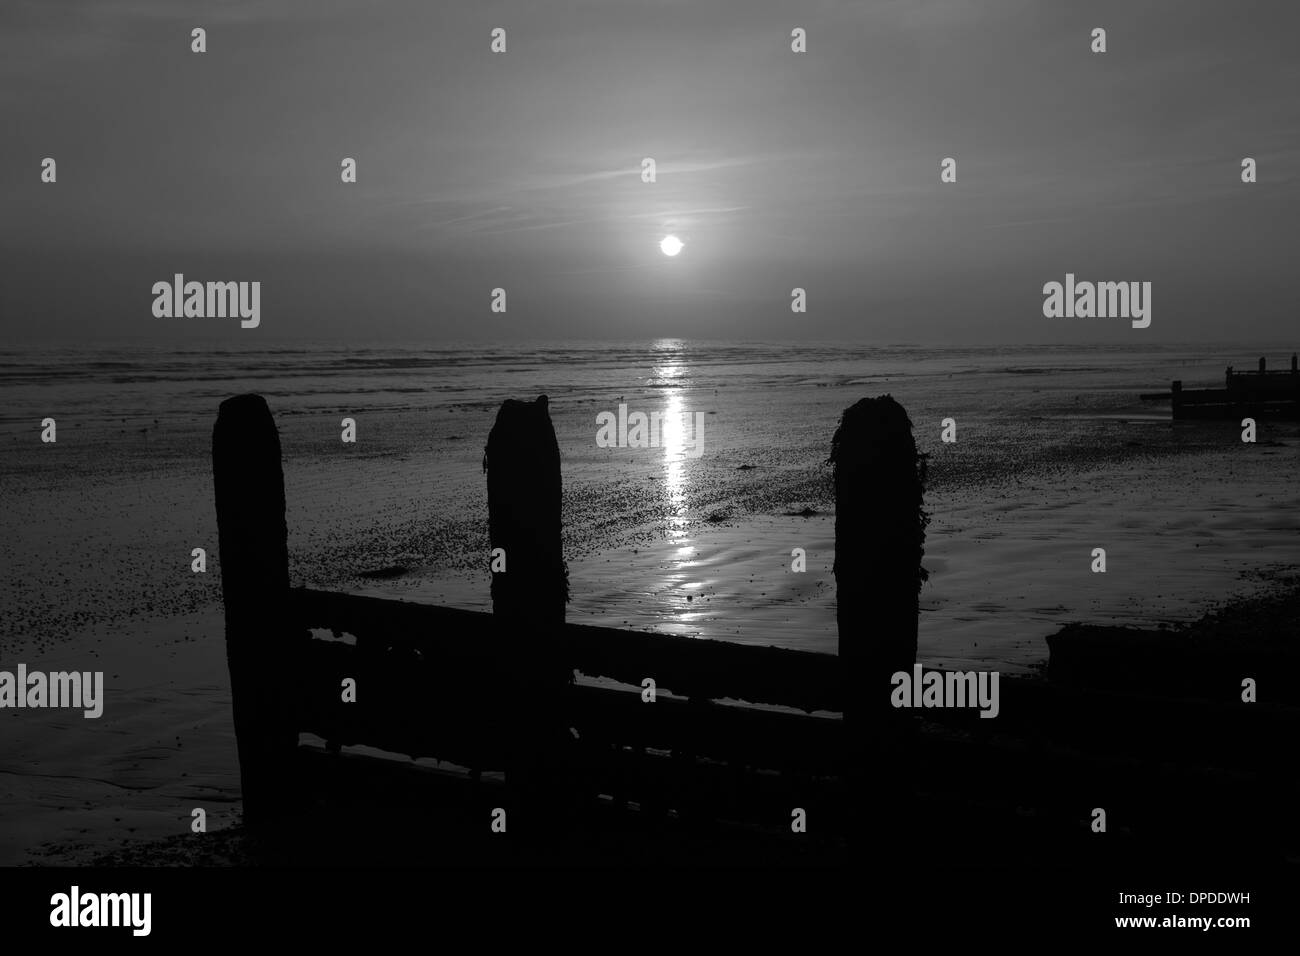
column 777, row 169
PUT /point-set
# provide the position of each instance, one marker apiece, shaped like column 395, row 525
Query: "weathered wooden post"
column 879, row 541
column 249, row 487
column 522, row 461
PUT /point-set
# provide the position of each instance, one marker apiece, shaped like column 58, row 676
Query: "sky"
column 522, row 170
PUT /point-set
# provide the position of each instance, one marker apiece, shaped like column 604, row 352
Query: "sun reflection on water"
column 677, row 440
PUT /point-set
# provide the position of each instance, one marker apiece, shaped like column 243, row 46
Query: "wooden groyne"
column 495, row 692
column 1262, row 394
column 735, row 735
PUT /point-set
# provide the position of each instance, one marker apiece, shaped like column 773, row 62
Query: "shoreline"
column 232, row 845
column 1047, row 467
column 426, row 513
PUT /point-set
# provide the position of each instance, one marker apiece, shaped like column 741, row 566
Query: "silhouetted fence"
column 1261, row 394
column 494, row 691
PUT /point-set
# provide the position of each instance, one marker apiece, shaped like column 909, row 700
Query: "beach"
column 1055, row 456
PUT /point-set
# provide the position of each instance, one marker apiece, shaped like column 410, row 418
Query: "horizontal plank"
column 688, row 667
column 946, row 777
column 745, row 735
column 426, row 707
column 435, row 682
column 1236, row 396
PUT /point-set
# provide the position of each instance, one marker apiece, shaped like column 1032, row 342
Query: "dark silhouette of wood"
column 489, row 692
column 685, row 666
column 249, row 489
column 522, row 462
column 1261, row 394
column 879, row 542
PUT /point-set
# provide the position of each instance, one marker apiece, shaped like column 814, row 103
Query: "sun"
column 670, row 245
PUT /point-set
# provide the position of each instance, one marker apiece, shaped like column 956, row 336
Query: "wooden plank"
column 759, row 738
column 428, row 706
column 685, row 666
column 458, row 678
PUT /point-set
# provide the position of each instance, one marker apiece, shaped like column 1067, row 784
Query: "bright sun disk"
column 670, row 245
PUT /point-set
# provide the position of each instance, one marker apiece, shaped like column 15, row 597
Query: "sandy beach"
column 641, row 439
column 1051, row 462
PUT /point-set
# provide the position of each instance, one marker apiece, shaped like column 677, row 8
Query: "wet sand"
column 114, row 827
column 99, row 530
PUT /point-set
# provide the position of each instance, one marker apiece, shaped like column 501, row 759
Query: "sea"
column 1053, row 454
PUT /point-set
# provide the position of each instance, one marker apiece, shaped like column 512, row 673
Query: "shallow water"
column 1055, row 456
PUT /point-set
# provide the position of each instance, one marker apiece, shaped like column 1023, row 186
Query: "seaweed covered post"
column 253, row 541
column 530, row 589
column 880, row 526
